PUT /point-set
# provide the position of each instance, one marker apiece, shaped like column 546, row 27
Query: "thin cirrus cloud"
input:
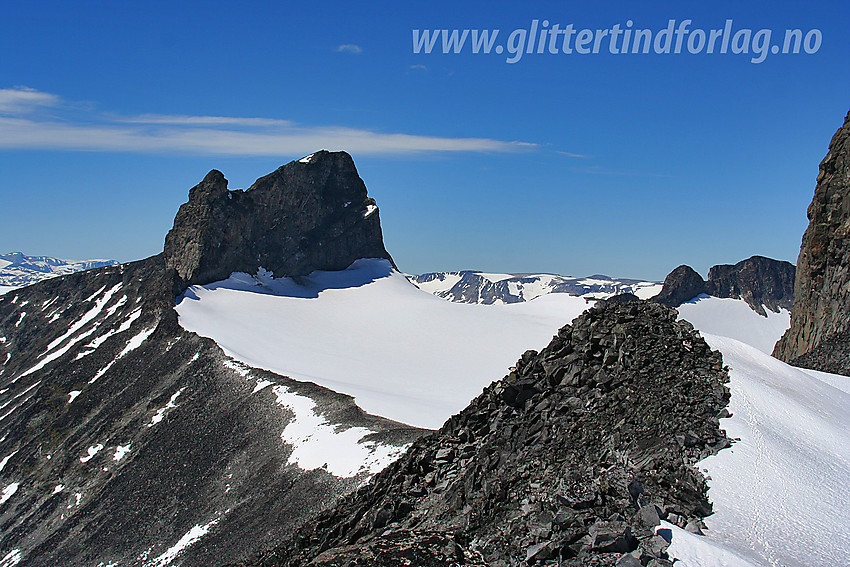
column 349, row 48
column 21, row 100
column 21, row 128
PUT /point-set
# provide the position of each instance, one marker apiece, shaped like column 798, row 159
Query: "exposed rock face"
column 569, row 460
column 311, row 214
column 822, row 288
column 761, row 282
column 680, row 285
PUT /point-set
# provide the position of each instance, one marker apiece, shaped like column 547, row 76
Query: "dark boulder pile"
column 571, row 459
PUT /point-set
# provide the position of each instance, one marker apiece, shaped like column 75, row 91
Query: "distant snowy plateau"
column 417, row 350
column 19, row 270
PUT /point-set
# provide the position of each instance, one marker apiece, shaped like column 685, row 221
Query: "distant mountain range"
column 19, row 270
column 480, row 287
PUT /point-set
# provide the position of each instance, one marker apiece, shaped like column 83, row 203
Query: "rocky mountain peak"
column 820, row 320
column 761, row 282
column 311, row 214
column 680, row 285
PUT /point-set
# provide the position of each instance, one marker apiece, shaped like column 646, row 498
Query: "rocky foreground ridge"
column 819, row 336
column 571, row 459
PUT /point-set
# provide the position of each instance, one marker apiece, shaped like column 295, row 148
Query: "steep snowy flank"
column 367, row 332
column 781, row 493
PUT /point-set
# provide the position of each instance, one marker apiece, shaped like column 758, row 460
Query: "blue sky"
column 626, row 164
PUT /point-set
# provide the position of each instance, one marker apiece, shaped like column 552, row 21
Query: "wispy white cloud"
column 209, row 135
column 21, row 100
column 203, row 120
column 349, row 48
column 571, row 155
column 418, row 67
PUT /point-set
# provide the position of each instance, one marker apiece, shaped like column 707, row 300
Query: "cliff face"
column 761, row 282
column 822, row 287
column 680, row 285
column 311, row 214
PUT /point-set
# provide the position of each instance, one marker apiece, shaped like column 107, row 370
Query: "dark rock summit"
column 311, row 214
column 821, row 314
column 680, row 285
column 570, row 460
column 761, row 282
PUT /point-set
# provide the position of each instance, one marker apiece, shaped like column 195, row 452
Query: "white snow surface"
column 368, row 332
column 12, row 558
column 691, row 550
column 8, row 492
column 91, row 452
column 121, row 451
column 190, row 537
column 6, row 460
column 319, row 444
column 781, row 494
column 735, row 319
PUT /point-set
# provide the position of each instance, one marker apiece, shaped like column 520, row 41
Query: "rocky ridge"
column 820, row 320
column 571, row 459
column 311, row 214
column 761, row 282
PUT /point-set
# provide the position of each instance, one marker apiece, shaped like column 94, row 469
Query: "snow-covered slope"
column 368, row 332
column 735, row 319
column 19, row 270
column 482, row 287
column 781, row 493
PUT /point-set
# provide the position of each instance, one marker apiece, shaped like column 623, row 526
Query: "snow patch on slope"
column 190, row 537
column 319, row 444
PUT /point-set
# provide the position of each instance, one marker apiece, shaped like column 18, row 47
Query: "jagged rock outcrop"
column 569, row 460
column 821, row 313
column 311, row 214
column 761, row 282
column 680, row 285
